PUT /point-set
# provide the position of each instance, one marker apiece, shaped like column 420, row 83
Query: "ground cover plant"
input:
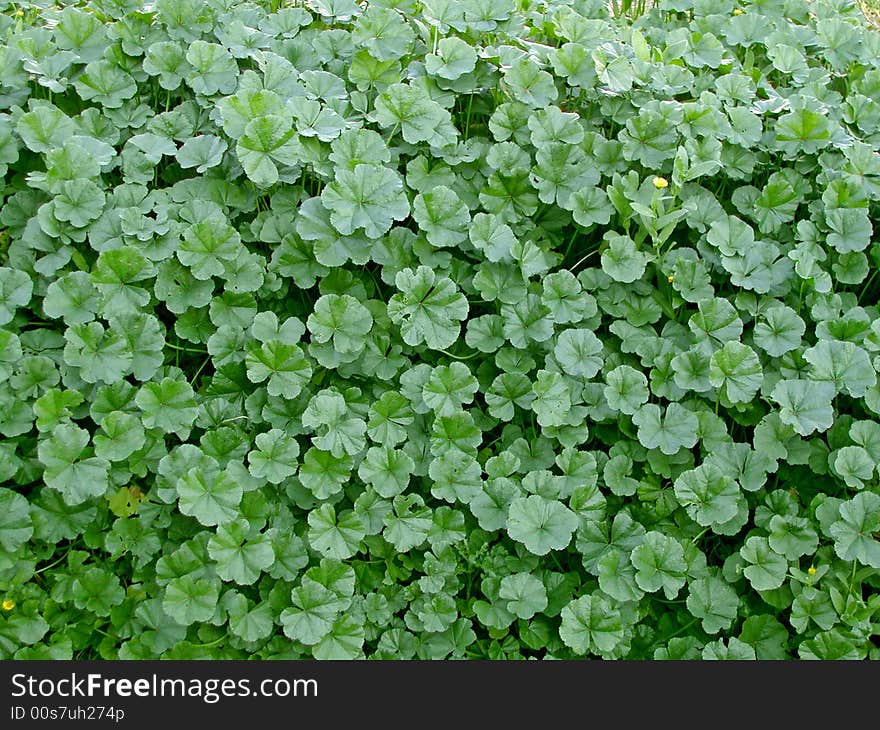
column 437, row 329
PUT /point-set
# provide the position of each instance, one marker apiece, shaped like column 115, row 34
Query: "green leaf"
column 802, row 131
column 736, row 370
column 851, row 229
column 191, row 600
column 622, row 261
column 16, row 526
column 591, row 624
column 97, row 590
column 275, row 456
column 830, row 645
column 528, row 83
column 709, row 496
column 734, row 650
column 674, row 430
column 335, row 537
column 626, row 390
column 384, row 32
column 45, row 128
column 284, row 366
column 267, row 141
column 78, row 202
column 442, row 215
column 578, row 352
column 311, row 613
column 854, row 465
column 105, row 83
column 408, row 526
column 212, row 497
column 449, row 388
column 387, row 470
column 419, row 118
column 779, row 331
column 168, row 405
column 541, row 524
column 343, row 641
column 454, row 58
column 766, row 568
column 207, row 247
column 240, row 557
column 122, row 435
column 525, row 594
column 792, row 536
column 844, row 364
column 490, row 235
column 766, row 635
column 805, row 405
column 16, row 289
column 659, row 563
column 338, row 431
column 202, row 152
column 342, row 319
column 167, row 60
column 427, row 308
column 853, row 532
column 214, row 69
column 716, row 318
column 69, row 468
column 714, row 602
column 250, row 625
column 324, row 474
column 455, row 477
column 368, row 197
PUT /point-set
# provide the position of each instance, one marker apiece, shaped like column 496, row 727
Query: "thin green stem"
column 212, row 643
column 201, row 367
column 556, row 562
column 186, row 349
column 571, row 241
column 460, row 357
column 53, row 564
column 867, row 285
column 679, row 631
column 594, row 251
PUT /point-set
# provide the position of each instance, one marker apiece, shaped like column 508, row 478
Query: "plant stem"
column 867, row 285
column 460, row 357
column 571, row 241
column 186, row 349
column 595, row 250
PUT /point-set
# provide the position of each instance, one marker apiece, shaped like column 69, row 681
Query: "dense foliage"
column 427, row 328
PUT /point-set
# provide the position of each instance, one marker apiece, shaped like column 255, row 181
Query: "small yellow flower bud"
column 8, row 605
column 811, row 570
column 661, row 182
column 670, row 278
column 737, row 11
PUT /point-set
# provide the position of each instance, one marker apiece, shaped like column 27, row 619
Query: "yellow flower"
column 737, row 11
column 8, row 605
column 19, row 13
column 670, row 278
column 661, row 182
column 811, row 570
